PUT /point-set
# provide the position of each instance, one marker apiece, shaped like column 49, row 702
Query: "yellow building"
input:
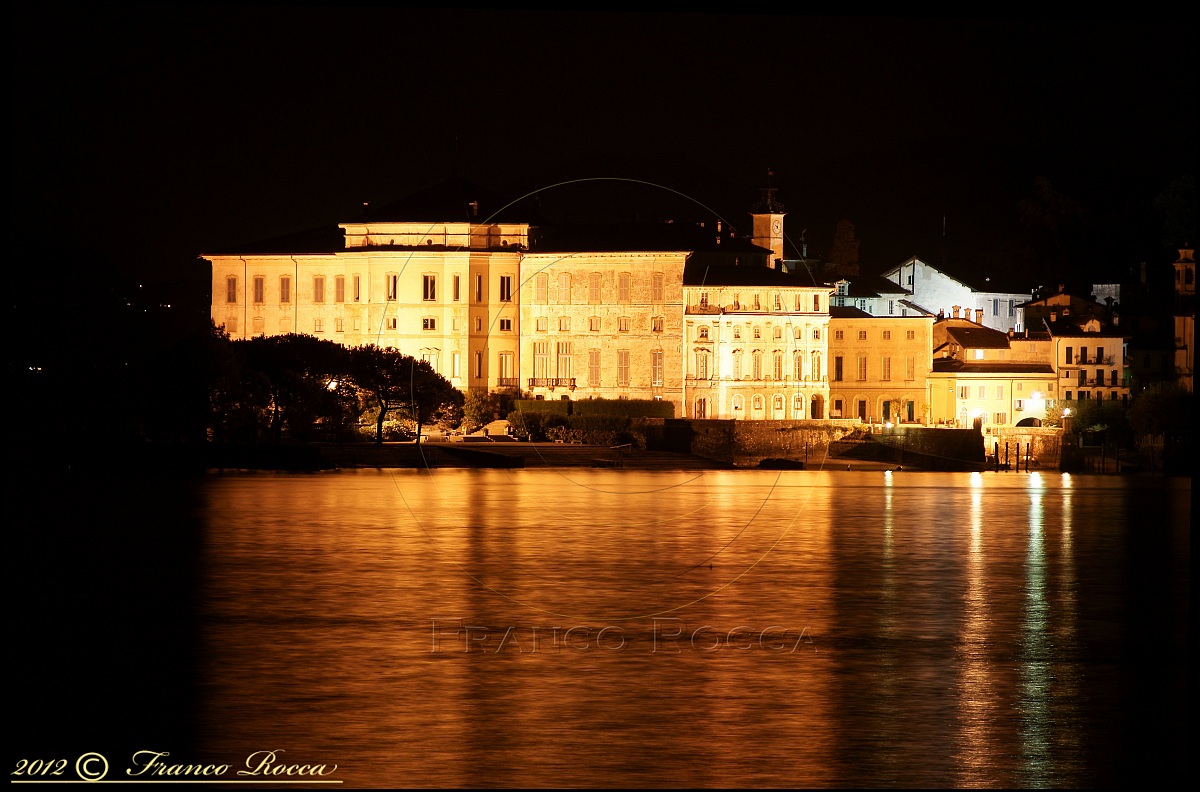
column 879, row 366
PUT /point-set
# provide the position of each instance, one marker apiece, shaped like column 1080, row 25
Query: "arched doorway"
column 817, row 411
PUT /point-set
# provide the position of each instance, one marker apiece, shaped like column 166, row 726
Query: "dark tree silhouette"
column 396, row 381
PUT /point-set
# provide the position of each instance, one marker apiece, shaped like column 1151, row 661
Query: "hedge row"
column 626, row 408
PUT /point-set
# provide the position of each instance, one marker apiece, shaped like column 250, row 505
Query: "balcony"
column 552, row 382
column 508, row 382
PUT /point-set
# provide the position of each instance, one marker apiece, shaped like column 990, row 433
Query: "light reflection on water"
column 737, row 628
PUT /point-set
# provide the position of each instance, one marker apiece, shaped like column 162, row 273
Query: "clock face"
column 776, row 226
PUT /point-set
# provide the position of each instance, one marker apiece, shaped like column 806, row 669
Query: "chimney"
column 955, row 309
column 1054, row 316
column 978, row 316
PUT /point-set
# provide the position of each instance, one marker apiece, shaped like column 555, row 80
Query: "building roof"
column 874, row 286
column 700, row 271
column 956, row 366
column 973, row 336
column 313, row 241
column 612, row 237
column 846, row 312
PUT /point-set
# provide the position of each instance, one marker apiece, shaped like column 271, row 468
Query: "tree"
column 844, row 253
column 396, row 381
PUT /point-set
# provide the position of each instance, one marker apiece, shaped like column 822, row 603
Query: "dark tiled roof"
column 976, row 337
column 1068, row 329
column 956, row 366
column 846, row 312
column 698, row 272
column 611, row 237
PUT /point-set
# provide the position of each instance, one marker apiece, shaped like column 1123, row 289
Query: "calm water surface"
column 615, row 628
column 599, row 628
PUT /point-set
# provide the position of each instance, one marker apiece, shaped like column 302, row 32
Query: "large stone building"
column 880, row 366
column 934, row 291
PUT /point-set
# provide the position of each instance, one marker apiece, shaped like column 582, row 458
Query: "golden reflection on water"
column 458, row 628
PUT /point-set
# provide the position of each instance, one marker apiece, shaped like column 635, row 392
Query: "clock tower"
column 767, row 230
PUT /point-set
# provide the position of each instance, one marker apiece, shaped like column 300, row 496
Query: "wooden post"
column 1006, row 455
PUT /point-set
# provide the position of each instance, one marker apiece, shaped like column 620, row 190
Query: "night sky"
column 147, row 135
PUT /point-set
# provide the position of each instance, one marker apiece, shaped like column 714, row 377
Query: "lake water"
column 579, row 627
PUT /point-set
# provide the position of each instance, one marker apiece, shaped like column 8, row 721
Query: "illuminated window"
column 594, row 324
column 506, row 325
column 393, row 286
column 429, row 287
column 541, row 289
column 702, row 333
column 862, row 367
column 758, row 365
column 656, row 367
column 656, row 287
column 623, row 367
column 564, row 288
column 816, row 302
column 911, row 335
column 656, row 324
column 777, row 334
column 594, row 368
column 231, row 290
column 777, row 366
column 457, row 282
column 623, row 324
column 391, row 323
column 862, row 335
column 837, row 335
column 339, row 325
column 887, row 335
column 623, row 287
column 339, row 289
column 778, row 307
column 456, row 365
column 285, row 289
column 594, row 287
column 428, row 323
column 506, row 288
column 564, row 324
column 318, row 288
column 543, row 324
column 887, row 368
column 259, row 285
column 318, row 325
column 357, row 288
column 816, row 334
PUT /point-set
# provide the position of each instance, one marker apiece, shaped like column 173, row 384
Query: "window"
column 1100, row 355
column 428, row 323
column 594, row 368
column 838, row 335
column 357, row 323
column 757, row 333
column 1012, row 307
column 777, row 404
column 777, row 334
column 737, row 332
column 478, row 288
column 541, row 289
column 887, row 335
column 231, row 325
column 506, row 371
column 478, row 365
column 339, row 289
column 319, row 288
column 816, row 334
column 777, row 365
column 564, row 324
column 910, row 370
column 656, row 367
column 457, row 283
column 1000, row 395
column 623, row 368
column 506, row 288
column 541, row 360
column 778, row 304
column 757, row 362
column 891, row 307
column 837, row 368
column 757, row 402
column 594, row 324
column 391, row 323
column 428, row 287
column 623, row 287
column 1067, row 357
column 1019, row 405
column 1000, row 418
column 357, row 288
column 911, row 335
column 798, row 406
column 816, row 302
column 231, row 290
column 798, row 366
column 757, row 303
column 656, row 287
column 862, row 335
column 285, row 289
column 737, row 364
column 982, row 391
column 816, row 365
column 702, row 333
column 258, row 289
column 543, row 324
column 964, row 392
column 887, row 368
column 479, row 325
column 1066, row 395
column 563, row 350
column 996, row 312
column 506, row 325
column 656, row 324
column 339, row 325
column 862, row 367
column 318, row 325
column 393, row 285
column 623, row 324
column 594, row 287
column 564, row 288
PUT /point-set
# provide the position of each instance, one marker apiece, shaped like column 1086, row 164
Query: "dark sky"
column 154, row 133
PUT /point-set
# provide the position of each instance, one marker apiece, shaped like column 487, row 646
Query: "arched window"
column 816, row 365
column 777, row 366
column 778, row 335
column 737, row 404
column 798, row 334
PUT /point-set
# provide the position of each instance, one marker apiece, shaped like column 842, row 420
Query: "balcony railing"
column 508, row 382
column 552, row 382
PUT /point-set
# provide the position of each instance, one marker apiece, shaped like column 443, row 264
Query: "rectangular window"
column 982, row 392
column 357, row 288
column 1000, row 418
column 318, row 325
column 541, row 289
column 564, row 288
column 318, row 288
column 778, row 304
column 999, row 391
column 816, row 302
column 506, row 288
column 339, row 289
column 838, row 335
column 393, row 287
column 428, row 323
column 391, row 323
column 506, row 325
column 816, row 334
column 479, row 325
column 505, row 362
column 996, row 312
column 891, row 307
column 1012, row 307
column 1067, row 358
column 837, row 368
column 231, row 290
column 339, row 325
column 259, row 285
column 231, row 325
column 456, row 365
column 594, row 287
column 594, row 324
column 656, row 287
column 964, row 392
column 541, row 360
column 623, row 324
column 656, row 324
column 428, row 287
column 564, row 324
column 1019, row 405
column 623, row 287
column 457, row 283
column 887, row 368
column 862, row 335
column 910, row 369
column 623, row 368
column 887, row 335
column 862, row 367
column 656, row 367
column 911, row 335
column 285, row 289
column 1100, row 356
column 543, row 324
column 594, row 368
column 564, row 360
column 478, row 365
column 478, row 288
column 357, row 323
